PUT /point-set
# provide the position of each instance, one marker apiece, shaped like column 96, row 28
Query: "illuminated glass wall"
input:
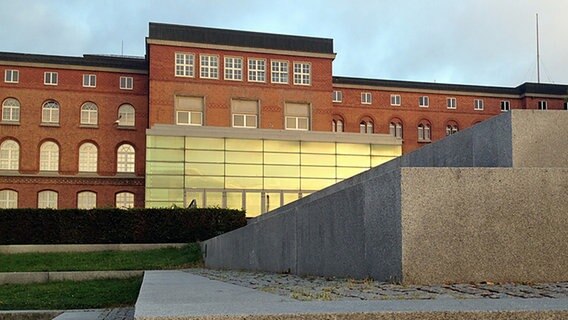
column 256, row 174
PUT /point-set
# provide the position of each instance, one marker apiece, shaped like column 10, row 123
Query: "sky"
column 478, row 42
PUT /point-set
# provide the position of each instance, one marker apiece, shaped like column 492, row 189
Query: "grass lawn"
column 70, row 295
column 168, row 258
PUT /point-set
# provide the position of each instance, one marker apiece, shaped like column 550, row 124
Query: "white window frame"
column 90, row 80
column 256, row 70
column 184, row 64
column 234, row 68
column 50, row 112
column 88, row 157
column 423, row 101
column 337, row 96
column 10, row 110
column 49, row 156
column 190, row 117
column 11, row 76
column 478, row 104
column 47, row 199
column 505, row 105
column 9, row 155
column 126, row 83
column 86, row 200
column 50, row 78
column 124, row 200
column 126, row 115
column 366, row 127
column 451, row 129
column 8, row 199
column 452, row 103
column 337, row 125
column 279, row 71
column 297, row 120
column 395, row 129
column 208, row 66
column 366, row 98
column 424, row 132
column 302, row 73
column 248, row 120
column 542, row 105
column 395, row 99
column 89, row 114
column 126, row 158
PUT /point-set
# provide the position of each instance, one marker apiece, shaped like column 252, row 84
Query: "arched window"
column 8, row 199
column 125, row 158
column 50, row 112
column 47, row 199
column 126, row 115
column 89, row 114
column 86, row 200
column 424, row 132
column 88, row 153
column 11, row 110
column 49, row 156
column 337, row 125
column 9, row 155
column 451, row 128
column 395, row 128
column 125, row 200
column 366, row 126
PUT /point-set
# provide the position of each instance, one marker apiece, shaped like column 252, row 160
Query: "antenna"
column 122, row 47
column 537, row 53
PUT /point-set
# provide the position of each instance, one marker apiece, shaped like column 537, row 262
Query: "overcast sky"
column 483, row 42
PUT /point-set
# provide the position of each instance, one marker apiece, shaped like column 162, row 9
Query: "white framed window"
column 423, row 101
column 297, row 116
column 88, row 157
column 11, row 76
column 337, row 96
column 395, row 129
column 424, row 132
column 256, row 70
column 209, row 66
column 337, row 125
column 89, row 114
column 452, row 103
column 245, row 113
column 47, row 199
column 125, row 159
column 50, row 112
column 126, row 116
column 189, row 110
column 126, row 83
column 396, row 99
column 302, row 73
column 184, row 64
column 89, row 80
column 279, row 71
column 244, row 120
column 11, row 110
column 50, row 78
column 86, row 200
column 366, row 98
column 478, row 104
column 366, row 126
column 233, row 68
column 8, row 199
column 124, row 200
column 451, row 128
column 190, row 118
column 542, row 105
column 49, row 156
column 505, row 106
column 9, row 155
column 297, row 123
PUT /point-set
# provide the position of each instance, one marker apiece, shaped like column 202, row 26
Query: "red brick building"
column 73, row 129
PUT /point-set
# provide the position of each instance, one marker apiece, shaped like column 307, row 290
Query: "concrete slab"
column 80, row 315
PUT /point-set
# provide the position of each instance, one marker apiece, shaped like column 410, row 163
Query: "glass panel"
column 206, row 169
column 194, row 194
column 153, row 181
column 244, row 170
column 316, row 184
column 352, row 148
column 166, row 155
column 165, row 168
column 204, row 156
column 282, row 158
column 235, row 200
column 204, row 182
column 205, row 143
column 385, row 150
column 244, row 144
column 164, row 142
column 375, row 161
column 281, row 171
column 318, row 147
column 243, row 183
column 281, row 146
column 353, row 161
column 253, row 204
column 318, row 159
column 163, row 204
column 344, row 173
column 243, row 157
column 214, row 199
column 165, row 195
column 282, row 183
column 318, row 172
column 272, row 201
column 289, row 197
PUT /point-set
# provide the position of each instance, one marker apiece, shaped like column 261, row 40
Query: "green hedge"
column 74, row 226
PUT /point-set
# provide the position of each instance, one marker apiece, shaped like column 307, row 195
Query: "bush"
column 75, row 226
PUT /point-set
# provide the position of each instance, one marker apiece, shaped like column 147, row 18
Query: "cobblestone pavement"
column 326, row 289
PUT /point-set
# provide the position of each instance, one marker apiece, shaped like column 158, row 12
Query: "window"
column 451, row 128
column 50, row 78
column 189, row 111
column 233, row 68
column 452, row 103
column 366, row 126
column 8, row 199
column 125, row 158
column 337, row 125
column 566, row 105
column 395, row 100
column 209, row 66
column 11, row 76
column 366, row 98
column 256, row 70
column 86, row 200
column 337, row 96
column 11, row 110
column 302, row 73
column 505, row 106
column 89, row 80
column 126, row 116
column 125, row 200
column 423, row 101
column 89, row 114
column 297, row 116
column 185, row 64
column 395, row 128
column 424, row 132
column 279, row 71
column 88, row 157
column 50, row 113
column 126, row 83
column 478, row 104
column 245, row 113
column 47, row 199
column 9, row 155
column 49, row 156
column 542, row 105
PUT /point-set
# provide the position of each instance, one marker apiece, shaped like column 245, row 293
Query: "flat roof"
column 87, row 60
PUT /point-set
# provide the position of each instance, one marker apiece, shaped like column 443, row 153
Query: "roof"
column 88, row 60
column 172, row 32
